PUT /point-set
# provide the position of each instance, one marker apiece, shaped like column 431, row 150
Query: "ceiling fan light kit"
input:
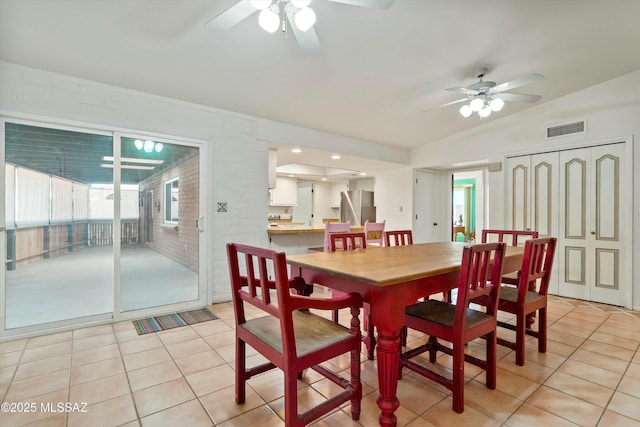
column 305, row 18
column 274, row 14
column 486, row 97
column 269, row 18
column 484, row 106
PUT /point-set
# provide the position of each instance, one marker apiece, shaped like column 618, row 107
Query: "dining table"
column 390, row 279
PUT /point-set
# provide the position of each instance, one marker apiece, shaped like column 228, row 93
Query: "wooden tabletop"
column 384, row 266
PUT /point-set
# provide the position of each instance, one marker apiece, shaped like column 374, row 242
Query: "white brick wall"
column 236, row 164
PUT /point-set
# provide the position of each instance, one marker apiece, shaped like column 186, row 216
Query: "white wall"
column 394, row 194
column 611, row 110
column 322, row 203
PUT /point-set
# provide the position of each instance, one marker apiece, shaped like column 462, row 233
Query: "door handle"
column 593, row 232
column 200, row 224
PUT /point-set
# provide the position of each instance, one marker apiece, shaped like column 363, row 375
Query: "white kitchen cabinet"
column 285, row 192
column 336, row 191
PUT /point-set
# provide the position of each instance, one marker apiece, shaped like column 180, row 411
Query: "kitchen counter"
column 297, row 239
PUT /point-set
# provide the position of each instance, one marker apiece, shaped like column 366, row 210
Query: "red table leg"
column 388, row 351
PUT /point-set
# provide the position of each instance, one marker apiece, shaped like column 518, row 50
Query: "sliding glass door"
column 159, row 207
column 97, row 225
column 59, row 225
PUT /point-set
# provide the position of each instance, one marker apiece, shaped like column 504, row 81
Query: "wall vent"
column 566, row 129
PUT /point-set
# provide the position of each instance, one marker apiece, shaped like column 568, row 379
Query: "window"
column 171, row 198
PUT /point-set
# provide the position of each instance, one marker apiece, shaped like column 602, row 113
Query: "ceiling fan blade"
column 462, row 89
column 457, row 101
column 531, row 78
column 518, row 97
column 307, row 40
column 230, row 17
column 375, row 4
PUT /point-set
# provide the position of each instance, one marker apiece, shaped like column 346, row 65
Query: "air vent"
column 566, row 129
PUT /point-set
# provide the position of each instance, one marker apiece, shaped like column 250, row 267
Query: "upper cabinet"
column 285, row 192
column 336, row 191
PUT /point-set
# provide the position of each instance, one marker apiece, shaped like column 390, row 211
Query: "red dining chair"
column 374, row 232
column 334, row 227
column 529, row 297
column 289, row 335
column 516, row 238
column 480, row 274
column 349, row 242
column 398, row 238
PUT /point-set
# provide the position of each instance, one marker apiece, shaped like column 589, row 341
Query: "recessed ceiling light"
column 363, row 173
column 323, row 179
column 292, row 176
column 296, row 150
column 335, row 157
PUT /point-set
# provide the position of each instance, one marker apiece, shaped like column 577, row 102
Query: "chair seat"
column 507, row 293
column 311, row 332
column 443, row 313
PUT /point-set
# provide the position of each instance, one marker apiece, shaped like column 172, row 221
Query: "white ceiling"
column 376, row 72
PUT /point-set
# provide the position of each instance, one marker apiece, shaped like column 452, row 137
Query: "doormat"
column 170, row 321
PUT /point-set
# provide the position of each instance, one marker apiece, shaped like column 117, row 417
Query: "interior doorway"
column 467, row 205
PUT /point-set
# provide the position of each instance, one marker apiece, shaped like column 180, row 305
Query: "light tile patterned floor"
column 590, row 376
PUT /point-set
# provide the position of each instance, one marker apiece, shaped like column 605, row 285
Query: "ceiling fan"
column 486, row 96
column 286, row 14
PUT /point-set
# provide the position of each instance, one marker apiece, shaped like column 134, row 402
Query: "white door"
column 592, row 253
column 532, row 188
column 426, row 222
column 303, row 211
column 518, row 193
column 533, row 198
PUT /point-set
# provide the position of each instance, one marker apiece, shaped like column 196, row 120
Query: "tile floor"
column 590, row 376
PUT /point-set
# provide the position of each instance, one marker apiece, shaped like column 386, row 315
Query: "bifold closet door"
column 532, row 202
column 591, row 241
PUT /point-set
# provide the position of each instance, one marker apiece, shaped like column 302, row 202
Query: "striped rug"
column 170, row 321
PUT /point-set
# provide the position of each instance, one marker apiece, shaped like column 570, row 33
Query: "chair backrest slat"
column 537, row 263
column 348, row 241
column 250, row 267
column 517, row 236
column 334, row 227
column 480, row 274
column 374, row 232
column 398, row 238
